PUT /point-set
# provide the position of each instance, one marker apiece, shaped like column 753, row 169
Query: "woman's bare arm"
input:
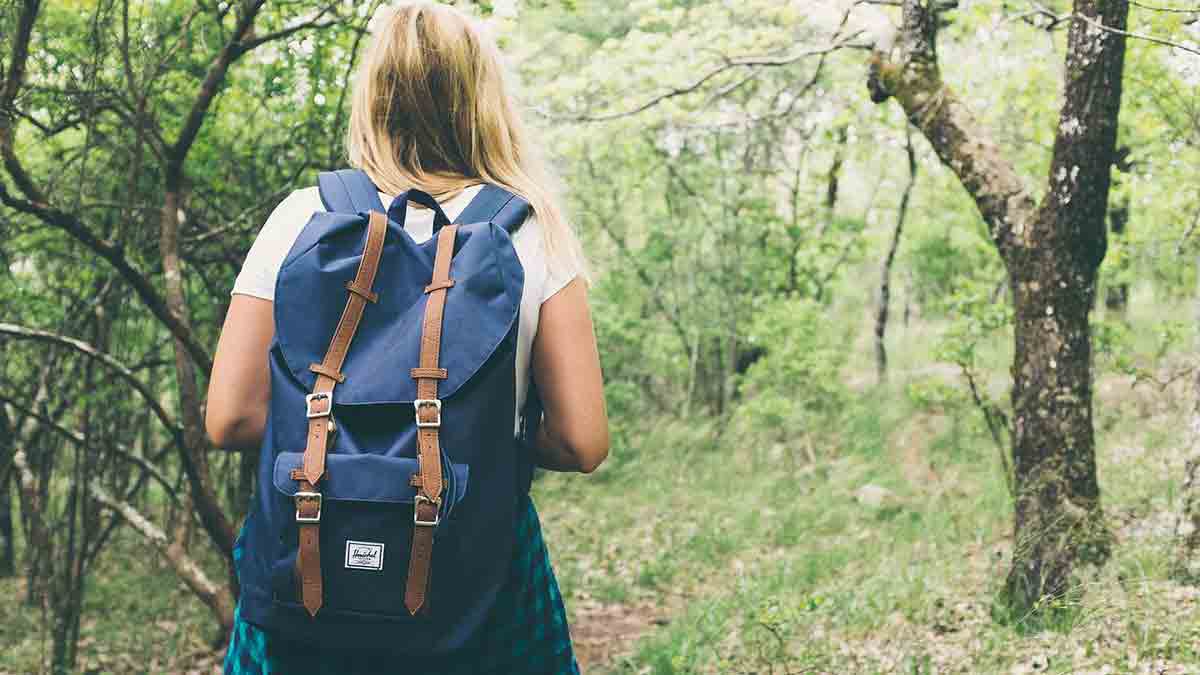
column 239, row 390
column 566, row 368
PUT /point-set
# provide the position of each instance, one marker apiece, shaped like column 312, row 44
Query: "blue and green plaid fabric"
column 525, row 634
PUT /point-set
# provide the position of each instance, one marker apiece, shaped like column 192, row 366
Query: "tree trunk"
column 1186, row 565
column 194, row 453
column 37, row 540
column 885, row 284
column 8, row 557
column 8, row 552
column 1116, row 296
column 1059, row 522
column 1053, row 252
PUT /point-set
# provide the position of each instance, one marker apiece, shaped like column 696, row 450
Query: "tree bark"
column 1052, row 252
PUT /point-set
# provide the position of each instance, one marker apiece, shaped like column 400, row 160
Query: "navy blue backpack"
column 390, row 472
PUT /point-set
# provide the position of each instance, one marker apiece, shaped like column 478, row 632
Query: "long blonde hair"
column 431, row 110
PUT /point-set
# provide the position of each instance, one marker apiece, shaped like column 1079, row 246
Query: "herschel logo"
column 364, row 555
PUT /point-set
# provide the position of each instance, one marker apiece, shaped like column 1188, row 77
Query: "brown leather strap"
column 444, row 283
column 320, row 369
column 366, row 293
column 339, row 346
column 428, row 408
column 438, row 373
column 319, row 408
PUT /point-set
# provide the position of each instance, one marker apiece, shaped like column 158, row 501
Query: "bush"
column 794, row 391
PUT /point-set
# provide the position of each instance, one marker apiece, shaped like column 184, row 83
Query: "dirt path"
column 604, row 633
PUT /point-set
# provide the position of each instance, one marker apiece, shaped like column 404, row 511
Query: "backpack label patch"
column 364, row 555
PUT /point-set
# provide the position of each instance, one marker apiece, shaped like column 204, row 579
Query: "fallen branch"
column 214, row 596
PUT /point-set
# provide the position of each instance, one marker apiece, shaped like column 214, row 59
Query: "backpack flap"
column 310, row 294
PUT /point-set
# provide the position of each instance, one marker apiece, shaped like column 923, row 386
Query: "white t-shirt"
column 543, row 276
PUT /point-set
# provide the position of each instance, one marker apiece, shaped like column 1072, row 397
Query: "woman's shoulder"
column 284, row 224
column 274, row 240
column 545, row 266
column 303, row 201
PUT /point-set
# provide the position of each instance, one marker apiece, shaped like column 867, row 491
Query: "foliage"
column 734, row 212
column 795, row 393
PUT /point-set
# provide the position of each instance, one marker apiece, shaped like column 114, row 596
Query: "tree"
column 1052, row 250
column 132, row 179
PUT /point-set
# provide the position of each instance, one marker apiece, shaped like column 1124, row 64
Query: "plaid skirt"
column 525, row 633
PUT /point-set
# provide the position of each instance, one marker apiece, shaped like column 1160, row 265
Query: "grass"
column 766, row 564
column 706, row 548
column 137, row 618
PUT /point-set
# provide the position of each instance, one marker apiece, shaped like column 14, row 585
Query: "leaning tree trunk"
column 1052, row 252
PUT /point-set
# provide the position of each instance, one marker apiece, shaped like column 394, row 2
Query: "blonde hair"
column 431, row 110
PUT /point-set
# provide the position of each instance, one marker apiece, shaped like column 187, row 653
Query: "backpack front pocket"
column 365, row 530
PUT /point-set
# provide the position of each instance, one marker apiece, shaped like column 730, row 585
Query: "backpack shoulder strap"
column 348, row 191
column 497, row 205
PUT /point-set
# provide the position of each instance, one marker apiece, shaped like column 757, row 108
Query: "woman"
column 431, row 111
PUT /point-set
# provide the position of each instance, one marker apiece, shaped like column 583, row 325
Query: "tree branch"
column 313, row 22
column 885, row 282
column 1138, row 36
column 20, row 57
column 36, row 204
column 113, row 254
column 118, row 449
column 909, row 73
column 727, row 64
column 1085, row 141
column 118, row 368
column 1153, row 8
column 208, row 91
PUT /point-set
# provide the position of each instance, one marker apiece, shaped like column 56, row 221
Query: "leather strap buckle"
column 437, row 511
column 423, row 402
column 303, row 496
column 318, row 398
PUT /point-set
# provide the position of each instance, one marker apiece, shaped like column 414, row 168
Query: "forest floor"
column 877, row 546
column 880, row 558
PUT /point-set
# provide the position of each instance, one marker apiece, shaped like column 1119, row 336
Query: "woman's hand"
column 239, row 391
column 566, row 369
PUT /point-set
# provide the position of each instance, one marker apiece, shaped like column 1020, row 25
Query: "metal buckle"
column 421, row 402
column 308, row 401
column 437, row 517
column 308, row 495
